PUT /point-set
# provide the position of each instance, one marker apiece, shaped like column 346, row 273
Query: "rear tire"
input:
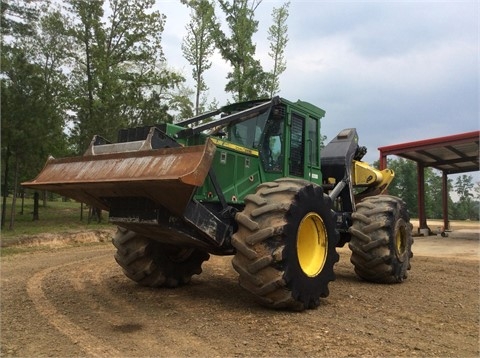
column 381, row 241
column 286, row 244
column 154, row 264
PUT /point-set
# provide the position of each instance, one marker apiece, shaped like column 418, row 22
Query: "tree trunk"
column 36, row 217
column 14, row 198
column 23, row 201
column 197, row 94
column 5, row 187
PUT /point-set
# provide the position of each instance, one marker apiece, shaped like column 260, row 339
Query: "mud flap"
column 167, row 176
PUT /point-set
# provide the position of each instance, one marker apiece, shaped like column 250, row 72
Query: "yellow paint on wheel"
column 312, row 244
column 400, row 241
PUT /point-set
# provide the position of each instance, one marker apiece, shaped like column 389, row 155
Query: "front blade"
column 167, row 176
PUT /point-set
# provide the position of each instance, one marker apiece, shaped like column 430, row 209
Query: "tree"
column 32, row 87
column 82, row 35
column 198, row 45
column 433, row 194
column 277, row 35
column 182, row 104
column 247, row 80
column 47, row 50
column 465, row 208
column 24, row 111
column 17, row 18
column 404, row 184
column 119, row 77
column 476, row 189
column 464, row 186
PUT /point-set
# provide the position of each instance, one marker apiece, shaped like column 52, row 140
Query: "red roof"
column 458, row 153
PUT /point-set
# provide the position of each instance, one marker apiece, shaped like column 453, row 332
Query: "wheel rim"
column 400, row 241
column 312, row 244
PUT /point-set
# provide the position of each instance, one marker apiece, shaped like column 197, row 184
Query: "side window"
column 297, row 148
column 313, row 142
column 272, row 144
column 247, row 133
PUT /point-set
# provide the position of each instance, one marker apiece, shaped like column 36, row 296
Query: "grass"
column 57, row 216
column 60, row 217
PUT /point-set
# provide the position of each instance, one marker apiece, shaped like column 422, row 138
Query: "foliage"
column 198, row 45
column 476, row 189
column 405, row 186
column 77, row 68
column 17, row 18
column 433, row 194
column 247, row 80
column 119, row 76
column 277, row 35
column 466, row 207
column 32, row 95
column 463, row 187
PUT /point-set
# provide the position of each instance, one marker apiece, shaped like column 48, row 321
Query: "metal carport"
column 454, row 154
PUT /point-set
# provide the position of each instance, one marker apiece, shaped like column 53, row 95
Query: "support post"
column 446, row 224
column 383, row 161
column 422, row 218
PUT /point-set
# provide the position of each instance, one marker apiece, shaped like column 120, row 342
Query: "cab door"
column 304, row 158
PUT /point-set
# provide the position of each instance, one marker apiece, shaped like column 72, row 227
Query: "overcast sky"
column 397, row 71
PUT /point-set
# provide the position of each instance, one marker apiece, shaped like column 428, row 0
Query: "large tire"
column 154, row 264
column 286, row 244
column 381, row 241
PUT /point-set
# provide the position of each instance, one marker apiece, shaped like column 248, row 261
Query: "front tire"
column 153, row 264
column 286, row 244
column 381, row 241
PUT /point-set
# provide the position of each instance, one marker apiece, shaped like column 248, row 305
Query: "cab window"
column 272, row 145
column 297, row 148
column 313, row 141
column 247, row 133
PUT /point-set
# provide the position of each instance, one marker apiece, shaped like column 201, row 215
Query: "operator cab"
column 264, row 133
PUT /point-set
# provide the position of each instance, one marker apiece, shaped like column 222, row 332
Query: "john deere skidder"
column 250, row 180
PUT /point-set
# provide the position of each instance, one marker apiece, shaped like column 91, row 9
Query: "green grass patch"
column 14, row 250
column 56, row 216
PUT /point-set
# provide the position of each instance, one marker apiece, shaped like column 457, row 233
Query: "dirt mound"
column 61, row 239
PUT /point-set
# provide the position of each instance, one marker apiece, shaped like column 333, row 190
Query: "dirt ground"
column 75, row 301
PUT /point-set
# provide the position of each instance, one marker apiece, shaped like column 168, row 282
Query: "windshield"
column 247, row 133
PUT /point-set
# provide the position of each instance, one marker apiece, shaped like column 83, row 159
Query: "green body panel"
column 251, row 152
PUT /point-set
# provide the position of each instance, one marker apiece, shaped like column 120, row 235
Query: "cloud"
column 396, row 70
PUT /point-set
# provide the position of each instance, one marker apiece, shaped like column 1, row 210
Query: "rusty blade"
column 168, row 176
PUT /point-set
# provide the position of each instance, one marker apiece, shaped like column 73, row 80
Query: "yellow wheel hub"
column 312, row 244
column 400, row 241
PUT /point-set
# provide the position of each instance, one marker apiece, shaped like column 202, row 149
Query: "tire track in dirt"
column 84, row 298
column 89, row 343
column 152, row 333
column 90, row 281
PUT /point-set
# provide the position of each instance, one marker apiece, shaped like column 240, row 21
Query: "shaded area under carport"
column 452, row 154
